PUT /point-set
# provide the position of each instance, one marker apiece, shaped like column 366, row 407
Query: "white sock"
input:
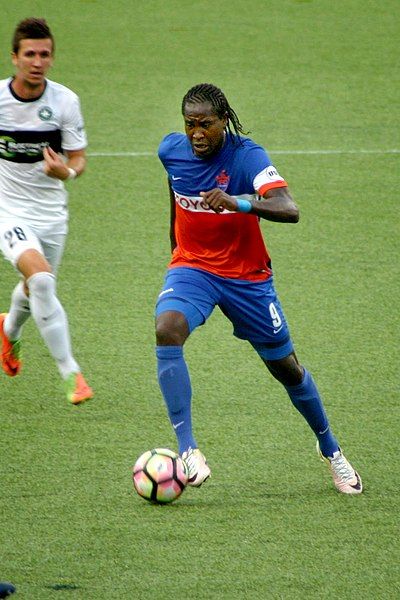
column 19, row 312
column 51, row 321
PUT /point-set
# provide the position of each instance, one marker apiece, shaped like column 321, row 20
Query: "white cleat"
column 345, row 478
column 197, row 466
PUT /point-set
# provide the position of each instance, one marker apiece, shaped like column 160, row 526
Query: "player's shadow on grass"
column 233, row 495
column 63, row 586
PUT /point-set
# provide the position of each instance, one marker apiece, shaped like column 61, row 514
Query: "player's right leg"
column 15, row 238
column 182, row 306
column 20, row 244
column 173, row 374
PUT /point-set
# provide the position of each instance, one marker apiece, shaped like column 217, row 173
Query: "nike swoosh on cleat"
column 176, row 425
column 357, row 486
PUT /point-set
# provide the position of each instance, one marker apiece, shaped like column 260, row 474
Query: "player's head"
column 31, row 29
column 205, row 99
column 32, row 53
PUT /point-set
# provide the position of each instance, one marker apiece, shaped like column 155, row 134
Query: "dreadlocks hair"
column 207, row 92
column 31, row 29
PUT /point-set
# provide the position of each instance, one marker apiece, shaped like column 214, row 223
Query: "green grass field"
column 317, row 85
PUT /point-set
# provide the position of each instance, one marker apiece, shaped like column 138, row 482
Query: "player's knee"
column 171, row 329
column 41, row 284
column 286, row 370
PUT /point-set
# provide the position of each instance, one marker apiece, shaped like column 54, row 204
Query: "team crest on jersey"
column 45, row 113
column 222, row 180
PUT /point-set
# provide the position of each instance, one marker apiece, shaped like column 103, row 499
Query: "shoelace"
column 342, row 468
column 190, row 460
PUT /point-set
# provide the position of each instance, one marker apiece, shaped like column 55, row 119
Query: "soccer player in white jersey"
column 42, row 144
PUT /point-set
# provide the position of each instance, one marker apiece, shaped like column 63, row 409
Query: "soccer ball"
column 160, row 475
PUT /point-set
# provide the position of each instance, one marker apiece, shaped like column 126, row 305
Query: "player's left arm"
column 55, row 166
column 276, row 204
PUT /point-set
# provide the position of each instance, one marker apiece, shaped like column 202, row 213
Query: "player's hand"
column 54, row 166
column 219, row 200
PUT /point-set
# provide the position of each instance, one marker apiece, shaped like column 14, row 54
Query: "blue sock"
column 306, row 399
column 174, row 381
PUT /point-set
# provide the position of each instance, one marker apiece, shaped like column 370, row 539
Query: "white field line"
column 320, row 152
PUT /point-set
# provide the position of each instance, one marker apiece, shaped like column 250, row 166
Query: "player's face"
column 205, row 130
column 32, row 61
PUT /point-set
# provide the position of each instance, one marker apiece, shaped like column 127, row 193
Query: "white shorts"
column 16, row 236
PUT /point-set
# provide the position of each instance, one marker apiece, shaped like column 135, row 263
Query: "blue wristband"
column 243, row 205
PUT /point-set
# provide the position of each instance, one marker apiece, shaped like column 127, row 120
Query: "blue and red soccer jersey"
column 228, row 244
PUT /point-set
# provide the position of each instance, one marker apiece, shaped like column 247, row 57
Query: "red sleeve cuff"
column 270, row 186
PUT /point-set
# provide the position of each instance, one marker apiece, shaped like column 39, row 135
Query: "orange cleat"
column 77, row 389
column 10, row 352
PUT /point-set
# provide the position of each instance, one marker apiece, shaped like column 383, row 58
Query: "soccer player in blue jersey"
column 221, row 184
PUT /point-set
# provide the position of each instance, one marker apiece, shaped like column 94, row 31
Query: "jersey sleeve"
column 168, row 143
column 267, row 179
column 262, row 172
column 73, row 133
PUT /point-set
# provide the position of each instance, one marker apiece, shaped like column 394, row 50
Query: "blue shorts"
column 252, row 307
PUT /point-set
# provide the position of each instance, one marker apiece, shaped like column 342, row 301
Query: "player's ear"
column 14, row 59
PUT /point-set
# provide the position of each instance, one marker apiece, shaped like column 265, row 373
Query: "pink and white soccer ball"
column 160, row 475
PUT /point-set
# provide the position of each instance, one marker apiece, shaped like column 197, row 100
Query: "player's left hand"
column 54, row 166
column 219, row 200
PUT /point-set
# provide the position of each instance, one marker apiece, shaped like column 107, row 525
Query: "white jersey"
column 26, row 127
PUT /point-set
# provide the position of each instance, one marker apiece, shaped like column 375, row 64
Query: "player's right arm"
column 172, row 217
